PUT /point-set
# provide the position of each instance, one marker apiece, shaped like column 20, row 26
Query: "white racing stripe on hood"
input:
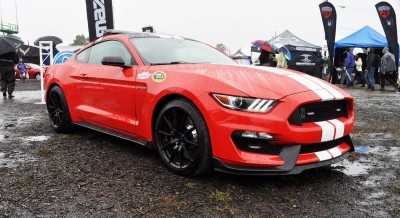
column 323, row 90
column 334, row 92
column 322, row 93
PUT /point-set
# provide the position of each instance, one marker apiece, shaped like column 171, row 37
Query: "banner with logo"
column 100, row 17
column 328, row 14
column 388, row 19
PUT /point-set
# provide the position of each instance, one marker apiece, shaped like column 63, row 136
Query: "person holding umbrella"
column 8, row 58
column 7, row 62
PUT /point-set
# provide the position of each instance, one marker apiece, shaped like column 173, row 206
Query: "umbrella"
column 283, row 49
column 264, row 45
column 56, row 40
column 359, row 50
column 9, row 43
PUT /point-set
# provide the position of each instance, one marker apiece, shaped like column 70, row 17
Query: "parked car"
column 33, row 70
column 198, row 108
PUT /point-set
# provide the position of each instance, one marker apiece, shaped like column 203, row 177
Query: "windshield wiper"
column 171, row 63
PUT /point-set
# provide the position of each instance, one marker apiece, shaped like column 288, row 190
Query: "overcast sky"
column 234, row 23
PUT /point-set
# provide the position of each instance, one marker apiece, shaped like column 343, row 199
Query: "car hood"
column 266, row 82
column 258, row 82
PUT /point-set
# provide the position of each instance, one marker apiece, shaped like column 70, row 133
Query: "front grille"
column 319, row 111
column 254, row 145
column 310, row 148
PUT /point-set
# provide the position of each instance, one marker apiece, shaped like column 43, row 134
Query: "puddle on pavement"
column 366, row 162
column 354, row 168
column 25, row 97
column 364, row 149
column 377, row 195
column 36, row 138
column 13, row 159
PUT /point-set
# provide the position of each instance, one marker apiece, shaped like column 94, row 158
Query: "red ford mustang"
column 198, row 108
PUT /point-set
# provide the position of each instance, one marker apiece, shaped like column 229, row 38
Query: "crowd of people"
column 355, row 71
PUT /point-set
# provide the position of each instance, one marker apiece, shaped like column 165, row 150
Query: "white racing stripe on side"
column 339, row 126
column 335, row 152
column 334, row 92
column 328, row 131
column 323, row 155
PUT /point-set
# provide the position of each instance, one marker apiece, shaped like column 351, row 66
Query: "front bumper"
column 293, row 158
column 294, row 161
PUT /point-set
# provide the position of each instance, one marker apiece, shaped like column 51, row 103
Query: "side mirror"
column 114, row 61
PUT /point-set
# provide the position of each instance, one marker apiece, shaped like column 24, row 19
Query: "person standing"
column 359, row 72
column 372, row 63
column 388, row 69
column 7, row 62
column 281, row 60
column 349, row 67
column 22, row 70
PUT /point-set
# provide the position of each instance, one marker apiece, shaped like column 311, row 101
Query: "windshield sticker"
column 159, row 76
column 144, row 75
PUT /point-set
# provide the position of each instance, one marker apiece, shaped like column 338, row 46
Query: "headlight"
column 245, row 104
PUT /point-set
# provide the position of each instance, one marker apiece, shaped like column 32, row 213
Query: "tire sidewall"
column 66, row 124
column 202, row 159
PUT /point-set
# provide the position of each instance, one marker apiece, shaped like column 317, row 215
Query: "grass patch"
column 190, row 185
column 221, row 196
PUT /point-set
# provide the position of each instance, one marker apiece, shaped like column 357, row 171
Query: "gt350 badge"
column 159, row 76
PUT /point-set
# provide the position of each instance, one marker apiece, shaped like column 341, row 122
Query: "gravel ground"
column 89, row 174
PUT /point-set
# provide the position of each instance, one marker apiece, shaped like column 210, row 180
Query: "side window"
column 83, row 56
column 109, row 48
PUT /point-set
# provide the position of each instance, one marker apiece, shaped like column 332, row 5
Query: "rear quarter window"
column 83, row 56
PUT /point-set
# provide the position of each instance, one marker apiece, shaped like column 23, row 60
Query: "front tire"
column 57, row 107
column 182, row 138
column 37, row 76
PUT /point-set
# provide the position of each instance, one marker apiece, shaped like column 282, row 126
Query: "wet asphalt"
column 89, row 174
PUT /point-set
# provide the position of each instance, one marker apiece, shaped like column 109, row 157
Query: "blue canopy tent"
column 364, row 38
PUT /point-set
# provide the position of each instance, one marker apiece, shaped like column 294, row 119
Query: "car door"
column 107, row 93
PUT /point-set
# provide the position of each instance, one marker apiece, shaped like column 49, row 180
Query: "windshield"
column 160, row 51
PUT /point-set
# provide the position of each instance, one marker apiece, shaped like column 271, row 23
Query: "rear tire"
column 57, row 107
column 182, row 138
column 37, row 76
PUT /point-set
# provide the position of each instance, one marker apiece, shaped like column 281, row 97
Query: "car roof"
column 142, row 34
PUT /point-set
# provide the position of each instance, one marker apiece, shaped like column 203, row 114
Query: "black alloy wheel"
column 58, row 110
column 182, row 138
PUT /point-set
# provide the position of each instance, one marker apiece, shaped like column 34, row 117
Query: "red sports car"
column 33, row 70
column 198, row 108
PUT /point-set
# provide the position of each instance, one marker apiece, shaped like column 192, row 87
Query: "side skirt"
column 147, row 144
